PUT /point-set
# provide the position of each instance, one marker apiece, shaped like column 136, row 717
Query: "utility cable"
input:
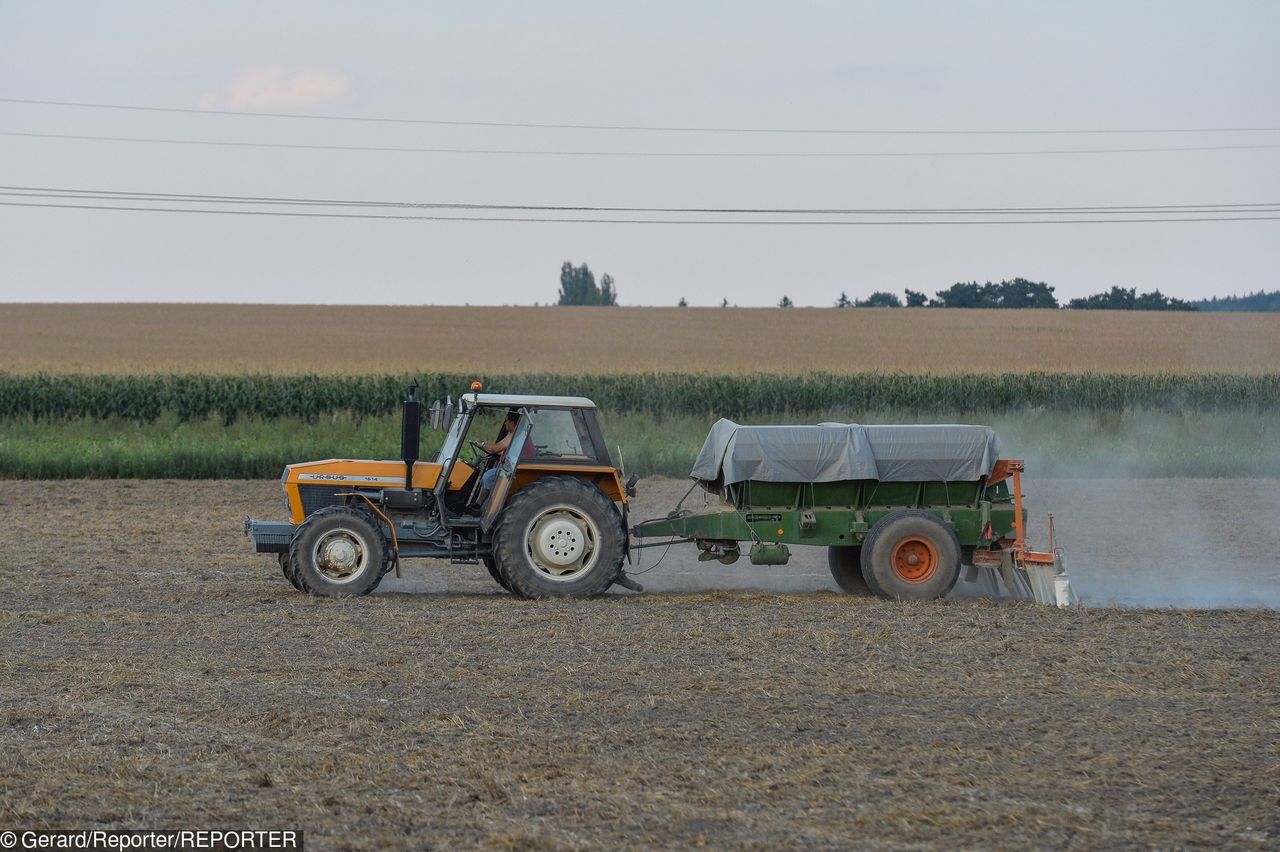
column 643, row 127
column 194, row 198
column 532, row 152
column 601, row 221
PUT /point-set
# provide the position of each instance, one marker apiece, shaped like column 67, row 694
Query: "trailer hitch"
column 627, row 583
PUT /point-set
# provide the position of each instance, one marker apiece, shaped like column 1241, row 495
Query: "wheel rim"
column 561, row 543
column 915, row 559
column 340, row 555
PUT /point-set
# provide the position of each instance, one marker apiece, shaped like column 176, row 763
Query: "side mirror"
column 449, row 412
column 436, row 415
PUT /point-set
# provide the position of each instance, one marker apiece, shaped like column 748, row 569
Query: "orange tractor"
column 551, row 523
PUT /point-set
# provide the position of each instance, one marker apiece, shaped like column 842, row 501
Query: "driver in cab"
column 499, row 448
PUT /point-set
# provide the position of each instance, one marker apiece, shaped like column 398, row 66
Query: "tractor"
column 552, row 523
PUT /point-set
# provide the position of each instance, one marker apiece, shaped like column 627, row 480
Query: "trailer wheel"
column 339, row 552
column 911, row 555
column 846, row 569
column 286, row 568
column 491, row 564
column 559, row 537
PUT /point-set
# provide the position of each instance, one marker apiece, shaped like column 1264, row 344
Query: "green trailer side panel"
column 838, row 513
column 824, row 527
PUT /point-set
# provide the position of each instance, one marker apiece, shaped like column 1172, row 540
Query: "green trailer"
column 902, row 510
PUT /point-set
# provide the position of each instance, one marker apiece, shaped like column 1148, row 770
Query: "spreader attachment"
column 1033, row 575
column 1038, row 576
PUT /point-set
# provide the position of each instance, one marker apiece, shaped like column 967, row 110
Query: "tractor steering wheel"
column 479, row 448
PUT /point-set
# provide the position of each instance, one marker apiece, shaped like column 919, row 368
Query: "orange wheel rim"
column 915, row 559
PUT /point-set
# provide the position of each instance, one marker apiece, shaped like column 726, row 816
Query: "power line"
column 194, row 198
column 601, row 221
column 642, row 127
column 660, row 154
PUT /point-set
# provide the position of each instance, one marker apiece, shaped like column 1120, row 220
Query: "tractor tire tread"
column 286, row 568
column 491, row 565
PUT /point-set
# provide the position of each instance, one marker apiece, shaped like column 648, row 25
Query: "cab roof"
column 510, row 400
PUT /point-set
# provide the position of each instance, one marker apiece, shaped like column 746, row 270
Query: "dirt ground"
column 154, row 672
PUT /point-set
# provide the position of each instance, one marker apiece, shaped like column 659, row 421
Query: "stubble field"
column 364, row 339
column 158, row 674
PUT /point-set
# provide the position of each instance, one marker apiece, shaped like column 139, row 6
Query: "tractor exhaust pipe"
column 410, row 433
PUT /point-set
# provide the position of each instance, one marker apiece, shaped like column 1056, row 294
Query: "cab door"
column 448, row 459
column 506, row 472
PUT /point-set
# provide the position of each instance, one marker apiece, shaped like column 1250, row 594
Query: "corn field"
column 144, row 399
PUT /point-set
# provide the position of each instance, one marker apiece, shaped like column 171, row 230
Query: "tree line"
column 1018, row 293
column 1258, row 301
column 578, row 286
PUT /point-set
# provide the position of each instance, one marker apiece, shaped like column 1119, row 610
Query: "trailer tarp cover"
column 830, row 452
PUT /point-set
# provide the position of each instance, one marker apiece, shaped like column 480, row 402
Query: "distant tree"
column 916, row 299
column 1021, row 293
column 1119, row 299
column 1157, row 301
column 1122, row 299
column 578, row 287
column 879, row 299
column 843, row 301
column 966, row 294
column 683, row 303
column 1018, row 293
column 785, row 302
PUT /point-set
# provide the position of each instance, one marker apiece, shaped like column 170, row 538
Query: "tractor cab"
column 551, row 434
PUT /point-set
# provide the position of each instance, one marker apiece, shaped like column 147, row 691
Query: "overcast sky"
column 795, row 65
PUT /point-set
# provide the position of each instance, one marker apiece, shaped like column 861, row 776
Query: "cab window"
column 560, row 435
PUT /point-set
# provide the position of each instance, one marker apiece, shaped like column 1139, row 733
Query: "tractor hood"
column 362, row 473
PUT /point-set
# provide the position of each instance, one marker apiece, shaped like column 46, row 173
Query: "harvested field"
column 265, row 338
column 156, row 673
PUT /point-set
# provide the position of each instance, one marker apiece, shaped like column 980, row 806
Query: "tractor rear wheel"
column 339, row 552
column 911, row 555
column 559, row 537
column 846, row 569
column 491, row 564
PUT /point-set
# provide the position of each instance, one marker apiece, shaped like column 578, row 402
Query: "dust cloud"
column 1187, row 543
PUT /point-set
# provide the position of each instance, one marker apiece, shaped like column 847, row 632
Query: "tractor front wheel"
column 339, row 552
column 911, row 555
column 286, row 568
column 559, row 537
column 846, row 569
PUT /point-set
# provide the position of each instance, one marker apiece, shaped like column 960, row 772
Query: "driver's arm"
column 500, row 445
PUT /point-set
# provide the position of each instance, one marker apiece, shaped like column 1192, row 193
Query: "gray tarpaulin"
column 831, row 452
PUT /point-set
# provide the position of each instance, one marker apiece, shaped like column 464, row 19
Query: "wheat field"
column 132, row 339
